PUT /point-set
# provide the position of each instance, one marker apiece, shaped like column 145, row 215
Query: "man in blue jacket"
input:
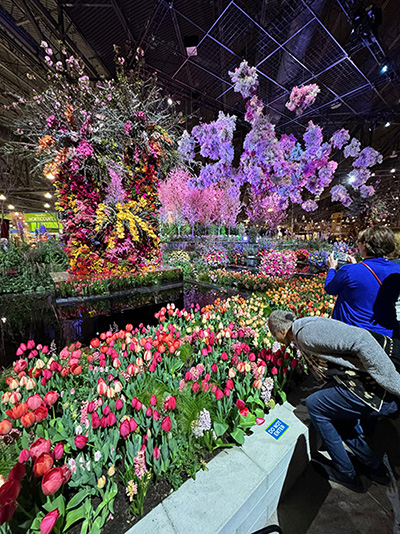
column 367, row 385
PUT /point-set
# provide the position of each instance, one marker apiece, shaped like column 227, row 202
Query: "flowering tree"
column 229, row 208
column 104, row 146
column 264, row 209
column 297, row 172
column 173, row 192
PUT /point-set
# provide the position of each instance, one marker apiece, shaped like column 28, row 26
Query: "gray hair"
column 280, row 321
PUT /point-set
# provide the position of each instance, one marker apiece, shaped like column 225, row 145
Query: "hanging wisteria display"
column 295, row 170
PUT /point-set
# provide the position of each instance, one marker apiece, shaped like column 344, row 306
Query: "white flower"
column 78, row 430
column 97, row 456
column 88, row 465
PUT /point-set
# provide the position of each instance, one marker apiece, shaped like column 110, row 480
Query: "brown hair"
column 379, row 241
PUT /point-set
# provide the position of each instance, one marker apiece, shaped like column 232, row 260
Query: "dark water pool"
column 42, row 319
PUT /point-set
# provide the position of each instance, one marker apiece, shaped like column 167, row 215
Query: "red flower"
column 224, row 356
column 95, row 421
column 153, row 400
column 294, row 363
column 195, row 387
column 219, row 394
column 28, row 420
column 80, row 441
column 5, row 427
column 244, row 412
column 240, row 404
column 214, row 368
column 48, row 522
column 119, row 404
column 274, row 371
column 156, row 453
column 17, row 472
column 40, row 413
column 58, row 451
column 24, row 456
column 51, row 398
column 170, row 403
column 260, row 420
column 95, row 343
column 149, row 411
column 40, row 446
column 111, row 419
column 133, row 425
column 43, row 464
column 34, row 401
column 52, row 480
column 7, row 510
column 156, row 415
column 166, row 424
column 66, row 474
column 124, row 429
column 229, row 384
column 18, row 411
column 76, row 369
column 20, row 365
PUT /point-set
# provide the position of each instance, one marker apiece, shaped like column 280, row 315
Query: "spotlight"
column 3, row 198
column 384, row 69
column 47, row 205
column 351, row 179
column 11, row 207
column 387, row 125
column 47, row 195
column 373, row 174
column 392, row 170
column 170, row 101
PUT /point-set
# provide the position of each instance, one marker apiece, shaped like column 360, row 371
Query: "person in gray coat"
column 367, row 385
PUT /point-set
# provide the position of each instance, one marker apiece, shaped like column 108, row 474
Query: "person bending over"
column 367, row 291
column 367, row 385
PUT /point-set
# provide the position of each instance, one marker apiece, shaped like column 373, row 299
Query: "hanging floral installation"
column 104, row 145
column 285, row 168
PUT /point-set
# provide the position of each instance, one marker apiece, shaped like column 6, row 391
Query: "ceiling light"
column 11, row 207
column 47, row 195
column 384, row 69
column 373, row 174
column 387, row 124
column 3, row 198
column 351, row 179
column 47, row 205
column 392, row 170
column 170, row 101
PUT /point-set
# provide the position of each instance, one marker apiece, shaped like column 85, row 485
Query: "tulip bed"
column 137, row 405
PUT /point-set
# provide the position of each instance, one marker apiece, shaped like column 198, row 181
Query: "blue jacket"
column 361, row 300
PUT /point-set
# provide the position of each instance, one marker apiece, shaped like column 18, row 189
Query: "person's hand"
column 332, row 263
column 351, row 259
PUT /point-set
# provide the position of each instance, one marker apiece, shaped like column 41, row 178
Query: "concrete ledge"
column 242, row 487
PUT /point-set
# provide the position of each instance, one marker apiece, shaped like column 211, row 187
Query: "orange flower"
column 46, row 142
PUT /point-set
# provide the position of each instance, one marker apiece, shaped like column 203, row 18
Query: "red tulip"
column 51, row 398
column 274, row 371
column 20, row 365
column 28, row 420
column 224, row 356
column 219, row 394
column 7, row 511
column 149, row 411
column 17, row 472
column 156, row 415
column 40, row 413
column 40, row 446
column 111, row 419
column 170, row 403
column 66, row 473
column 95, row 343
column 229, row 384
column 156, row 453
column 52, row 481
column 124, row 428
column 214, row 368
column 119, row 404
column 48, row 522
column 58, row 451
column 47, row 374
column 195, row 387
column 95, row 421
column 166, row 424
column 91, row 407
column 30, row 345
column 294, row 363
column 80, row 441
column 260, row 420
column 24, row 456
column 106, row 410
column 244, row 412
column 5, row 427
column 240, row 405
column 19, row 410
column 153, row 400
column 42, row 464
column 132, row 425
column 34, row 401
column 76, row 370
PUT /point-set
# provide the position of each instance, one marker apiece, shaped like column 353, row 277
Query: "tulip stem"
column 24, row 511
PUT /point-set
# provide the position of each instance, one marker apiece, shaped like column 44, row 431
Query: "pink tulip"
column 156, row 453
column 153, row 400
column 80, row 441
column 58, row 451
column 166, row 424
column 119, row 404
column 124, row 429
column 24, row 456
column 48, row 522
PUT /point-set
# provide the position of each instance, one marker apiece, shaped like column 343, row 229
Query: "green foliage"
column 189, row 407
column 9, row 456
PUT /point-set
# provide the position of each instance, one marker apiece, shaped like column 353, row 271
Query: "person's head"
column 376, row 242
column 280, row 324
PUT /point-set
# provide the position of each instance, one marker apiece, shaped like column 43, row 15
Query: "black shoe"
column 380, row 475
column 354, row 484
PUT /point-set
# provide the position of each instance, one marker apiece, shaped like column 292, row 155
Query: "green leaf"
column 220, row 428
column 238, row 436
column 73, row 516
column 78, row 498
column 59, row 503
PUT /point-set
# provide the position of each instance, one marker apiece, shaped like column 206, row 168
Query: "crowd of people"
column 356, row 353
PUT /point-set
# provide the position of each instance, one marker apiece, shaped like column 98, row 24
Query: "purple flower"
column 245, row 79
column 85, row 149
column 340, row 138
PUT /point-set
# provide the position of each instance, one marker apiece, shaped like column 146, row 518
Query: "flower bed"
column 142, row 403
column 101, row 284
column 275, row 263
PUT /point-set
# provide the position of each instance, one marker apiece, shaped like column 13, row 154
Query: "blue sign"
column 277, row 428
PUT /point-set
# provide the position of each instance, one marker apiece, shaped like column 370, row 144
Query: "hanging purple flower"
column 340, row 138
column 302, row 97
column 245, row 79
column 312, row 138
column 309, row 205
column 339, row 194
column 368, row 158
column 367, row 191
column 353, row 149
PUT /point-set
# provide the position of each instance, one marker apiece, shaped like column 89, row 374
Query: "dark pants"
column 337, row 414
